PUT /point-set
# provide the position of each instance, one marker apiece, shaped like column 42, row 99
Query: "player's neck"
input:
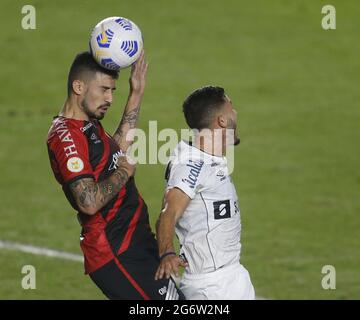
column 72, row 110
column 210, row 142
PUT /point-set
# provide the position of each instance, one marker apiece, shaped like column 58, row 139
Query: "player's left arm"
column 124, row 134
column 175, row 203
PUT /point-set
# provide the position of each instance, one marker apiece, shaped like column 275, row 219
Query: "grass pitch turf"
column 296, row 88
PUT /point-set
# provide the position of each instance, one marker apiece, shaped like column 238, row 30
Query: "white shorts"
column 227, row 283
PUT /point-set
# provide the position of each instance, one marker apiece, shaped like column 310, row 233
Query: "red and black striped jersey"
column 82, row 149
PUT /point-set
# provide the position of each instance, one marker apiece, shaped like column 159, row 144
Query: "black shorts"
column 124, row 279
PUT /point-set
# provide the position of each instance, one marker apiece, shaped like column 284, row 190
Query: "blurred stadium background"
column 296, row 88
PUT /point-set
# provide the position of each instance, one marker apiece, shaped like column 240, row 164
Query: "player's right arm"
column 174, row 205
column 90, row 196
column 69, row 154
column 125, row 133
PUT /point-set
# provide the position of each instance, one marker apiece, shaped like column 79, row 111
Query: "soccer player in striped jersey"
column 120, row 250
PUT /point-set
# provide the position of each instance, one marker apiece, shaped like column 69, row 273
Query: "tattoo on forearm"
column 84, row 191
column 128, row 121
column 88, row 193
column 131, row 117
column 121, row 177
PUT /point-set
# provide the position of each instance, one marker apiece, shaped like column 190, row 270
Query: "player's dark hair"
column 199, row 107
column 84, row 62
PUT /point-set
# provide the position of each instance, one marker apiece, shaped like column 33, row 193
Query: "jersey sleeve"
column 71, row 154
column 188, row 177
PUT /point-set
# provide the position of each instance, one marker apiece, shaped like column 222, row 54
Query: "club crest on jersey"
column 194, row 172
column 75, row 164
column 220, row 173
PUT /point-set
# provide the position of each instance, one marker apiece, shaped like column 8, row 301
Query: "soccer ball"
column 116, row 43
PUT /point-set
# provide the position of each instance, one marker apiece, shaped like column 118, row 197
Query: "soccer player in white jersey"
column 202, row 206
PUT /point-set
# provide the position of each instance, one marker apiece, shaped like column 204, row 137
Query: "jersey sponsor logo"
column 115, row 158
column 88, row 126
column 75, row 164
column 162, row 290
column 95, row 138
column 236, row 206
column 222, row 209
column 65, row 137
column 194, row 173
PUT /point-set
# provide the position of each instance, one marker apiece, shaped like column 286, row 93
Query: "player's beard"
column 89, row 113
column 232, row 125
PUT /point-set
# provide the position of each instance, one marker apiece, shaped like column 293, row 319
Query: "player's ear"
column 78, row 87
column 222, row 121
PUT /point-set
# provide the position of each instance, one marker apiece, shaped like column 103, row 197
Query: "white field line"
column 41, row 251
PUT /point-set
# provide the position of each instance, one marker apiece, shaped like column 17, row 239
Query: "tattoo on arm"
column 89, row 194
column 131, row 117
column 86, row 191
column 128, row 122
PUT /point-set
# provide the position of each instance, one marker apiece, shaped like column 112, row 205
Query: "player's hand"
column 169, row 265
column 127, row 164
column 138, row 75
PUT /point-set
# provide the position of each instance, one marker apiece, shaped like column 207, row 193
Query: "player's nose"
column 109, row 98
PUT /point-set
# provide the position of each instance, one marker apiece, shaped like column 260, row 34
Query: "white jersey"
column 209, row 230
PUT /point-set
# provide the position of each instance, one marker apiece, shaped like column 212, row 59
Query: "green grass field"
column 296, row 89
